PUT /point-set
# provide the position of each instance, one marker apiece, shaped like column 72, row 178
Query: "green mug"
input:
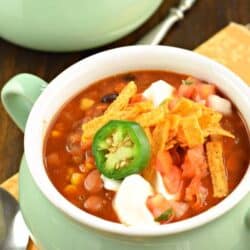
column 56, row 224
column 58, row 25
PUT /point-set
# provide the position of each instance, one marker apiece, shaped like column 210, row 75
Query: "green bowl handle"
column 19, row 94
column 248, row 219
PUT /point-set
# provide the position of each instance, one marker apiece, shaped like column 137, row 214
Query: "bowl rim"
column 45, row 185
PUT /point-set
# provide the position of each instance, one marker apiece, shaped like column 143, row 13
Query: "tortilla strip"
column 209, row 118
column 123, row 98
column 160, row 136
column 217, row 168
column 190, row 133
column 185, row 107
column 217, row 131
column 132, row 111
column 151, row 118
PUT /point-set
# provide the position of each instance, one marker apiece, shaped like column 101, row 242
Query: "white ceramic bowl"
column 116, row 61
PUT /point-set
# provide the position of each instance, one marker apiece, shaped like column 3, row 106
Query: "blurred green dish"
column 63, row 26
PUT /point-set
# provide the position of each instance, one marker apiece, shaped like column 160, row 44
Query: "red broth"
column 72, row 170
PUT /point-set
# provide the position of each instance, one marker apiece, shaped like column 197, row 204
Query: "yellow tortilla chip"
column 209, row 118
column 160, row 136
column 217, row 131
column 132, row 111
column 170, row 144
column 123, row 98
column 174, row 121
column 186, row 107
column 217, row 168
column 90, row 128
column 189, row 132
column 151, row 118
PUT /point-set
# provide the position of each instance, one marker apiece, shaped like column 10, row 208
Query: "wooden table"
column 206, row 17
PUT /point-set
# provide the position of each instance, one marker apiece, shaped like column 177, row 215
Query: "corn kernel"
column 77, row 179
column 70, row 190
column 89, row 166
column 55, row 133
column 86, row 103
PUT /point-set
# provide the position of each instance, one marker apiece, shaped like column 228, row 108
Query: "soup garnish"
column 152, row 149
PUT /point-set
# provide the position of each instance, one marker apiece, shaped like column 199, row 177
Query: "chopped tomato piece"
column 197, row 193
column 172, row 180
column 164, row 162
column 180, row 208
column 195, row 163
column 157, row 204
column 204, row 90
column 186, row 90
column 171, row 174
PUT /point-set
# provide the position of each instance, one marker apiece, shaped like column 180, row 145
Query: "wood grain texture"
column 204, row 20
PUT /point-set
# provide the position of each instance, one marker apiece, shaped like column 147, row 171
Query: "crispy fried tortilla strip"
column 209, row 118
column 160, row 136
column 151, row 118
column 170, row 144
column 90, row 128
column 174, row 121
column 132, row 111
column 217, row 131
column 186, row 107
column 123, row 99
column 217, row 168
column 189, row 132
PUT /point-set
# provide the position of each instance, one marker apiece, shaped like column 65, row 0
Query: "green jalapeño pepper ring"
column 121, row 148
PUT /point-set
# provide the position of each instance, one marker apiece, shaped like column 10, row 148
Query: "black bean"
column 109, row 97
column 129, row 77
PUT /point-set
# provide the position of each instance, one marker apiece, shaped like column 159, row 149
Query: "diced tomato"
column 196, row 90
column 164, row 162
column 157, row 204
column 197, row 193
column 171, row 174
column 180, row 208
column 204, row 90
column 195, row 163
column 186, row 90
column 137, row 98
column 172, row 180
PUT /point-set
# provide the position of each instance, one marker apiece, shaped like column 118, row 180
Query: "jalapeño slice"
column 121, row 148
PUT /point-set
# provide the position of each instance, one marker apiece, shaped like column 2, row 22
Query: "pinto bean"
column 93, row 204
column 93, row 182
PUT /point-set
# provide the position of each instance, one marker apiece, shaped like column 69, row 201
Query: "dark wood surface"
column 205, row 19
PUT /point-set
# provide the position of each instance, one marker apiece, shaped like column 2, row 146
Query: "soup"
column 147, row 147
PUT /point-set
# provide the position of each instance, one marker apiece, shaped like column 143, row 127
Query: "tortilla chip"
column 209, row 118
column 132, row 111
column 217, row 168
column 170, row 144
column 151, row 118
column 189, row 132
column 123, row 98
column 160, row 136
column 174, row 121
column 217, row 131
column 186, row 107
column 90, row 128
